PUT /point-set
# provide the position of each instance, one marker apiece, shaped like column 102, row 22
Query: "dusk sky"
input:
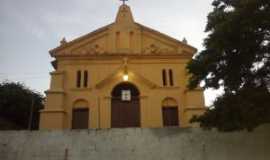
column 29, row 28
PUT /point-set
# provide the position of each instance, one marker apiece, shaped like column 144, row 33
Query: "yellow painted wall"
column 106, row 54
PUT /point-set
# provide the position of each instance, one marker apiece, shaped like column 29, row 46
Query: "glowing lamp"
column 125, row 77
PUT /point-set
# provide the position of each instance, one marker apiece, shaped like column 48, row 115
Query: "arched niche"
column 81, row 103
column 169, row 102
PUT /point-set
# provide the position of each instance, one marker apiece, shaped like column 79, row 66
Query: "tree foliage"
column 16, row 104
column 237, row 58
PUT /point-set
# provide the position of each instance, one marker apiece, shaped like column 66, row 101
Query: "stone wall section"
column 135, row 144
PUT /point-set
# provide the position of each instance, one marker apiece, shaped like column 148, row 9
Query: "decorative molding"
column 112, row 56
column 81, row 89
column 145, row 28
column 155, row 49
column 56, row 50
column 115, row 75
column 198, row 89
column 54, row 92
column 109, row 78
column 63, row 41
column 57, row 73
column 202, row 108
column 169, row 87
column 89, row 45
column 53, row 111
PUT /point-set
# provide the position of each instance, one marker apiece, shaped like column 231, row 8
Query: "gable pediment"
column 133, row 76
column 124, row 36
column 153, row 43
column 159, row 43
column 88, row 44
column 92, row 46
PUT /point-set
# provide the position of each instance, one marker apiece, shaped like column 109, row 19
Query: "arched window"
column 85, row 82
column 171, row 77
column 170, row 112
column 164, row 77
column 79, row 76
column 80, row 115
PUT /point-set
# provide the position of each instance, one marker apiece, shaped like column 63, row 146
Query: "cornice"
column 54, row 92
column 202, row 108
column 57, row 73
column 199, row 89
column 122, row 55
column 53, row 111
column 169, row 87
column 81, row 89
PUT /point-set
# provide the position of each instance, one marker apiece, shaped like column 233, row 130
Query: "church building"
column 121, row 75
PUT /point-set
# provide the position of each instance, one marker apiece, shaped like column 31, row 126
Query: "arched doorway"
column 170, row 112
column 80, row 115
column 125, row 106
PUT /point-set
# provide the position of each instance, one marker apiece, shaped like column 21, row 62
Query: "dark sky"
column 29, row 28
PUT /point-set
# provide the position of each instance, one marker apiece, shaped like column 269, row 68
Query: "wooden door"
column 125, row 113
column 170, row 116
column 80, row 119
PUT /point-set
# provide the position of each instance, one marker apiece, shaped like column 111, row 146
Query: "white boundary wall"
column 135, row 144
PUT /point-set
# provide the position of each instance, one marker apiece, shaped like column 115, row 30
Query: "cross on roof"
column 124, row 1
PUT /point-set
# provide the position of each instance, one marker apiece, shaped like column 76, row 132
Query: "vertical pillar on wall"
column 99, row 114
column 105, row 112
column 96, row 113
column 144, row 112
column 183, row 106
column 194, row 105
column 53, row 115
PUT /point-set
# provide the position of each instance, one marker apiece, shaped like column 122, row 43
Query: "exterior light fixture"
column 125, row 77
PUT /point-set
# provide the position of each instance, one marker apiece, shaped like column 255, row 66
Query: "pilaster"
column 53, row 115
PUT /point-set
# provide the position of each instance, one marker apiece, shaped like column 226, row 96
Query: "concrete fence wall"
column 135, row 144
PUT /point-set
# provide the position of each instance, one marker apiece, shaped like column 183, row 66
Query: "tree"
column 16, row 104
column 237, row 58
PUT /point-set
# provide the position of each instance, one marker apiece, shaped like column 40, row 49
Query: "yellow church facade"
column 121, row 75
